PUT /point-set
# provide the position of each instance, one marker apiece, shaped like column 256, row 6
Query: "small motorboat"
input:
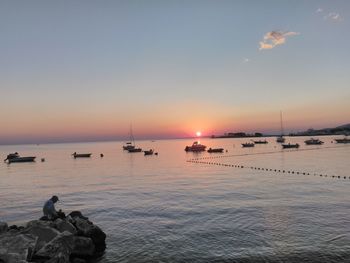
column 196, row 147
column 135, row 150
column 16, row 158
column 248, row 144
column 81, row 155
column 261, row 142
column 313, row 141
column 149, row 152
column 289, row 145
column 215, row 150
column 343, row 140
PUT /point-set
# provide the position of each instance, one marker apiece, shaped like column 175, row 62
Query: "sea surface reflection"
column 165, row 209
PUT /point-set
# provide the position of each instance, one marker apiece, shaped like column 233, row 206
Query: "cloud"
column 246, row 60
column 319, row 10
column 333, row 16
column 275, row 38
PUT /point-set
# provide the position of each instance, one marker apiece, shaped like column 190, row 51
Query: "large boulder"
column 17, row 247
column 83, row 247
column 58, row 249
column 88, row 229
column 3, row 227
column 64, row 225
column 44, row 233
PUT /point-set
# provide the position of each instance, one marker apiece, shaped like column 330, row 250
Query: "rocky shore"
column 72, row 239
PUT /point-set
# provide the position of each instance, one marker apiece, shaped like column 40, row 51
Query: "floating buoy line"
column 206, row 160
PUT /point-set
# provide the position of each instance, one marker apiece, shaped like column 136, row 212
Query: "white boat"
column 195, row 147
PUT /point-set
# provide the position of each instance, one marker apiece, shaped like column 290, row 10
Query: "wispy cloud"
column 275, row 38
column 246, row 60
column 319, row 10
column 333, row 16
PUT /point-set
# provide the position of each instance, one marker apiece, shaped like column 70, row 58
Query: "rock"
column 88, row 229
column 11, row 258
column 44, row 233
column 17, row 247
column 83, row 247
column 78, row 260
column 3, row 227
column 58, row 249
column 63, row 225
column 77, row 214
column 40, row 223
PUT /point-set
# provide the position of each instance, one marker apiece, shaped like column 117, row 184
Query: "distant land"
column 339, row 130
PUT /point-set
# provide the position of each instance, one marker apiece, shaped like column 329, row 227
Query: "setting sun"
column 198, row 133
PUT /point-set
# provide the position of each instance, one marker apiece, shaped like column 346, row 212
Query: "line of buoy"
column 270, row 152
column 268, row 169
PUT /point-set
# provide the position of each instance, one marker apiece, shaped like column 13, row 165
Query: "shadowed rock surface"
column 72, row 239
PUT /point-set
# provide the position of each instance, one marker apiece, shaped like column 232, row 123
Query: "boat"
column 343, row 140
column 16, row 158
column 128, row 146
column 135, row 150
column 281, row 139
column 289, row 145
column 81, row 155
column 215, row 150
column 149, row 152
column 196, row 147
column 313, row 141
column 248, row 144
column 261, row 142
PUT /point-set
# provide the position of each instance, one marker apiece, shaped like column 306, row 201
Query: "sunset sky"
column 86, row 70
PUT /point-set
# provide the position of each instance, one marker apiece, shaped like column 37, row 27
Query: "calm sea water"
column 165, row 209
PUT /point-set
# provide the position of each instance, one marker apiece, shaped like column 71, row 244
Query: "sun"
column 198, row 133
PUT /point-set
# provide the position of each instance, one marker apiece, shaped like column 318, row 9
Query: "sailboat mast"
column 282, row 132
column 131, row 135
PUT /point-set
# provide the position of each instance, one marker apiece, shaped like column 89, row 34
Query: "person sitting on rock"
column 49, row 208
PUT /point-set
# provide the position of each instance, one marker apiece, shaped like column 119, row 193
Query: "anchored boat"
column 313, row 141
column 343, row 140
column 196, row 147
column 261, row 142
column 16, row 158
column 215, row 150
column 149, row 152
column 81, row 155
column 289, row 145
column 248, row 144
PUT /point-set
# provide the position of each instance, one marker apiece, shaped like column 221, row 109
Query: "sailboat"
column 130, row 145
column 281, row 139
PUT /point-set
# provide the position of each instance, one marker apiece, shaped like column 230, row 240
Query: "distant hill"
column 343, row 129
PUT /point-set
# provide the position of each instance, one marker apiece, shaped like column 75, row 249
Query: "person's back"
column 49, row 208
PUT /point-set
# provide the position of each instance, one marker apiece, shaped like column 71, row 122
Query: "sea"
column 259, row 204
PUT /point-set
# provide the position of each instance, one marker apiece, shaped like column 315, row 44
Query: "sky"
column 87, row 70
